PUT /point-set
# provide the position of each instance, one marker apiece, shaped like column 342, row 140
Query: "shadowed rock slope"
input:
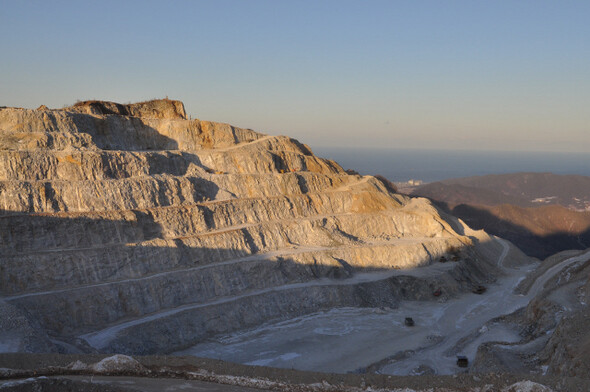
column 128, row 228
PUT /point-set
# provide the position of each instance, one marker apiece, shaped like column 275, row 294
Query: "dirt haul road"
column 349, row 339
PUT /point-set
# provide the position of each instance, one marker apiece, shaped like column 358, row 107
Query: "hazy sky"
column 418, row 74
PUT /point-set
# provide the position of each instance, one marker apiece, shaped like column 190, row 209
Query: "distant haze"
column 436, row 165
column 496, row 75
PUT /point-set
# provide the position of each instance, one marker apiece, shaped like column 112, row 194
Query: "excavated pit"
column 130, row 229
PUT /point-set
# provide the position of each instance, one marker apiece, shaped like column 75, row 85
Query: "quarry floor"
column 360, row 339
column 327, row 345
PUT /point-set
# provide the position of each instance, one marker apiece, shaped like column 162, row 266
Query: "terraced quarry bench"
column 128, row 228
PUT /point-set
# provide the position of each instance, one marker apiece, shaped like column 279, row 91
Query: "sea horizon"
column 427, row 165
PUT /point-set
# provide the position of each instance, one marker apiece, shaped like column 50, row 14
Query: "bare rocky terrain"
column 531, row 189
column 130, row 229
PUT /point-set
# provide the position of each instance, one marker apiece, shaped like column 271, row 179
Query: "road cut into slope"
column 101, row 339
column 136, row 231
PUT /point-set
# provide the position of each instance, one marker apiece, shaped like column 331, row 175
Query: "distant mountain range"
column 542, row 213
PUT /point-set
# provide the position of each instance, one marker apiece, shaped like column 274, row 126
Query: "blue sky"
column 505, row 75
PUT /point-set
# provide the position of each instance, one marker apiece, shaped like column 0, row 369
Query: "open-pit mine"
column 130, row 229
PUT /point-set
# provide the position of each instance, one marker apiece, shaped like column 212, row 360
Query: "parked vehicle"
column 462, row 361
column 479, row 289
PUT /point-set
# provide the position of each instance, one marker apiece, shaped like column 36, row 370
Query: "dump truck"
column 462, row 361
column 479, row 289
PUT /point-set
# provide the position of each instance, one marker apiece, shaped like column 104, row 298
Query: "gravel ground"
column 225, row 373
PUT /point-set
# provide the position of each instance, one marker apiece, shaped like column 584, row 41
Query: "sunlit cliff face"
column 131, row 229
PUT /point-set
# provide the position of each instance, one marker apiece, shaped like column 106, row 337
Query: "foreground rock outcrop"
column 128, row 228
column 46, row 372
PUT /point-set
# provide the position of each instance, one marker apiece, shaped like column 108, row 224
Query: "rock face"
column 163, row 108
column 128, row 228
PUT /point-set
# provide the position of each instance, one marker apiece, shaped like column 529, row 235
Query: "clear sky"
column 506, row 75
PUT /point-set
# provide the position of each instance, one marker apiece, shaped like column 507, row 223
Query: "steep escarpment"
column 128, row 228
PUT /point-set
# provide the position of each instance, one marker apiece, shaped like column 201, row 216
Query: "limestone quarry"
column 130, row 229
